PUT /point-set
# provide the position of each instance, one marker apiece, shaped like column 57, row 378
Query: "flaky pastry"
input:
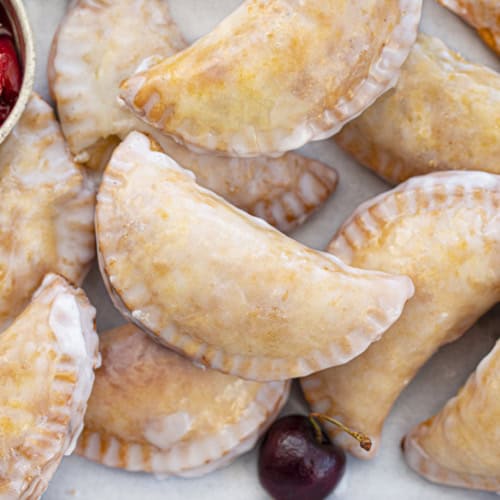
column 226, row 288
column 97, row 45
column 484, row 15
column 152, row 410
column 48, row 356
column 442, row 115
column 442, row 230
column 459, row 446
column 46, row 210
column 277, row 74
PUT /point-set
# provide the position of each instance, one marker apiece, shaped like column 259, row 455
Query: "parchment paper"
column 385, row 478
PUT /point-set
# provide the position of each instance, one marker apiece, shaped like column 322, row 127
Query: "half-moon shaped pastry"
column 223, row 287
column 484, row 15
column 48, row 355
column 442, row 230
column 442, row 115
column 152, row 410
column 277, row 74
column 46, row 210
column 97, row 46
column 283, row 191
column 459, row 446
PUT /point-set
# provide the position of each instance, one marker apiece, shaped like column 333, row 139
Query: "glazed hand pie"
column 283, row 191
column 46, row 210
column 97, row 46
column 152, row 410
column 442, row 230
column 443, row 115
column 484, row 15
column 225, row 288
column 48, row 356
column 459, row 446
column 277, row 74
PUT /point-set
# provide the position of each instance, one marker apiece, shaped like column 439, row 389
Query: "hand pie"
column 46, row 210
column 48, row 355
column 442, row 115
column 442, row 230
column 97, row 46
column 484, row 15
column 277, row 74
column 283, row 191
column 152, row 410
column 459, row 446
column 223, row 287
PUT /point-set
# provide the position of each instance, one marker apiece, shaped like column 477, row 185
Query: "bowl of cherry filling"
column 17, row 63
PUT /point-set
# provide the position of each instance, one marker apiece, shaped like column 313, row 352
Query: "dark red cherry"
column 296, row 464
column 10, row 76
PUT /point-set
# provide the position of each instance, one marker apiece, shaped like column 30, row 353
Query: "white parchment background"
column 386, row 478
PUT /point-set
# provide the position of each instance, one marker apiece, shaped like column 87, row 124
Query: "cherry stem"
column 364, row 441
column 317, row 429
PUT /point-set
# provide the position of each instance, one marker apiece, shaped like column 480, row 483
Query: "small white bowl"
column 23, row 38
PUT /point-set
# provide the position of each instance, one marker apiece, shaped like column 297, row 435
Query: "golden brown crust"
column 100, row 44
column 277, row 74
column 46, row 214
column 283, row 191
column 442, row 230
column 459, row 445
column 48, row 355
column 154, row 411
column 484, row 15
column 200, row 272
column 442, row 115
